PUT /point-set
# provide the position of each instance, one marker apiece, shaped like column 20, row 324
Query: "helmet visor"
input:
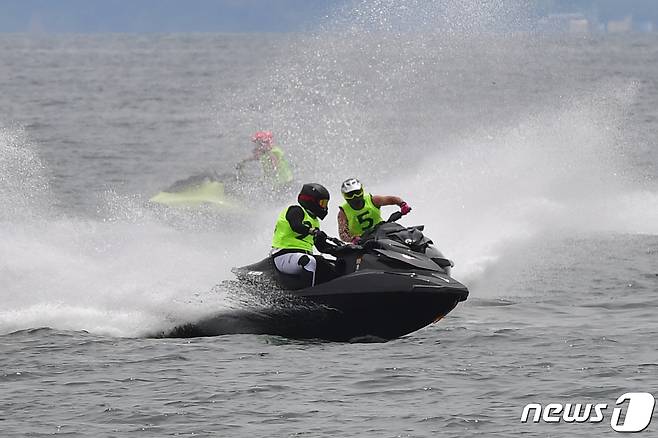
column 323, row 203
column 354, row 194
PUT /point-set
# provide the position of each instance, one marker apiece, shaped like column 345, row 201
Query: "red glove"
column 404, row 208
column 356, row 240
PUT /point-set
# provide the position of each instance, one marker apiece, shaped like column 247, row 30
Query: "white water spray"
column 401, row 110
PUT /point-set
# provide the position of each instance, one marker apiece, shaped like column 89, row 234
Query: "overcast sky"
column 232, row 15
column 160, row 15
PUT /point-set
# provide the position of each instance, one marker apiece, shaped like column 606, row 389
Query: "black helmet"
column 314, row 198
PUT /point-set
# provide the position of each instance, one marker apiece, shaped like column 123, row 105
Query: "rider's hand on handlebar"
column 404, row 208
column 318, row 234
column 355, row 240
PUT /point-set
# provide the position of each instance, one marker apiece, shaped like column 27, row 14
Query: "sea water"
column 530, row 157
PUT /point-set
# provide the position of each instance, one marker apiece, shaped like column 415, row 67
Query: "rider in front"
column 298, row 230
column 361, row 211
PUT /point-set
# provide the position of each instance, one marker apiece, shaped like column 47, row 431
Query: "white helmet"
column 351, row 185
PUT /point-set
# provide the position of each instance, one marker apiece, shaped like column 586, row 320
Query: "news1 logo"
column 637, row 416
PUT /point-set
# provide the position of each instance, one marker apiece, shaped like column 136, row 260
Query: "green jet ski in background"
column 206, row 189
column 233, row 192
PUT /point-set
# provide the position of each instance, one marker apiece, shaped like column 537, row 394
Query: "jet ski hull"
column 361, row 306
column 204, row 193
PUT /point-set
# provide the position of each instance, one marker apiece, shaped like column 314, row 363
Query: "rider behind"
column 275, row 167
column 361, row 211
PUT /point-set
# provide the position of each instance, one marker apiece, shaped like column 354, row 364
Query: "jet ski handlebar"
column 342, row 247
column 394, row 217
column 340, row 244
column 335, row 241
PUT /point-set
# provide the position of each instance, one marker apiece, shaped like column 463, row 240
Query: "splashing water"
column 23, row 181
column 557, row 173
column 404, row 95
column 378, row 92
column 125, row 274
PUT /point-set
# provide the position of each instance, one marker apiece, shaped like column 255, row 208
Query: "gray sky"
column 233, row 15
column 160, row 15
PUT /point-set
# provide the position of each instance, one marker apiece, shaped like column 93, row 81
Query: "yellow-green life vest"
column 286, row 238
column 359, row 221
column 279, row 174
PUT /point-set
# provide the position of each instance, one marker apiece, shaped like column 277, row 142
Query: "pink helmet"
column 263, row 137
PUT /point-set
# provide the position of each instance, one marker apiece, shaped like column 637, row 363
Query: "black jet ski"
column 394, row 283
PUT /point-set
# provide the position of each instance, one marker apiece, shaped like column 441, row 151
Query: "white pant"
column 289, row 264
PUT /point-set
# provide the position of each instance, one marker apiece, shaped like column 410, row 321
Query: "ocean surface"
column 530, row 158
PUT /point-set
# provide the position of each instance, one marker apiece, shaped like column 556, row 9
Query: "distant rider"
column 276, row 168
column 298, row 230
column 361, row 212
